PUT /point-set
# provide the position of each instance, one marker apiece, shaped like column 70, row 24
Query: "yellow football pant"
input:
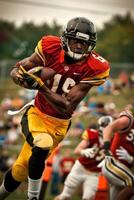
column 35, row 123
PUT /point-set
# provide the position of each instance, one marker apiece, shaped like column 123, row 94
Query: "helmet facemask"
column 78, row 55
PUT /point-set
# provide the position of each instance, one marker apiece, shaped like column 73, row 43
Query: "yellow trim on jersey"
column 85, row 135
column 96, row 80
column 39, row 51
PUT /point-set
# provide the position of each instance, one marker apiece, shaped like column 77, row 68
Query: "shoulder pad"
column 97, row 71
column 131, row 119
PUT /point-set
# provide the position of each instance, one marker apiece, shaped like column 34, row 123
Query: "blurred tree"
column 7, row 39
column 116, row 39
column 19, row 42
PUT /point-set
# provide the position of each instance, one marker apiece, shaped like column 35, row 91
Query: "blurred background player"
column 66, row 164
column 75, row 69
column 120, row 160
column 85, row 171
column 51, row 173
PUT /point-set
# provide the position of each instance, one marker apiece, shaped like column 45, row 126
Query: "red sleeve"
column 48, row 45
column 97, row 71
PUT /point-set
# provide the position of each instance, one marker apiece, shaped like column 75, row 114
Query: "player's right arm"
column 116, row 126
column 82, row 145
column 66, row 105
column 28, row 63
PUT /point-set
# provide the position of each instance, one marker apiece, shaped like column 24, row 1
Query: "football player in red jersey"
column 85, row 171
column 119, row 157
column 77, row 68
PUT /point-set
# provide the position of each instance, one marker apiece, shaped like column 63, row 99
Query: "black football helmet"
column 82, row 29
column 103, row 122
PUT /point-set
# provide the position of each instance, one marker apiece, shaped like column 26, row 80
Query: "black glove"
column 106, row 148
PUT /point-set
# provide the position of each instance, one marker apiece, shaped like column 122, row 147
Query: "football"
column 45, row 73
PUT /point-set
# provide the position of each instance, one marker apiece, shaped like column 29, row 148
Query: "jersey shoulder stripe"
column 97, row 71
column 48, row 45
column 97, row 79
column 90, row 134
column 39, row 51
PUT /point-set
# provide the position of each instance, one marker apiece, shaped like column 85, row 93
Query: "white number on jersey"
column 130, row 136
column 101, row 59
column 69, row 82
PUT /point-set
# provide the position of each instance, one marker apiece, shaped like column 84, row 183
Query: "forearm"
column 60, row 103
column 107, row 134
column 77, row 151
column 13, row 74
column 66, row 105
column 82, row 145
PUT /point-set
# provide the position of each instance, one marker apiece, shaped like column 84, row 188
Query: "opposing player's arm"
column 66, row 105
column 117, row 125
column 28, row 63
column 82, row 145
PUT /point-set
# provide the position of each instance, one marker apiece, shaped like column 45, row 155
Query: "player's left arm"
column 82, row 145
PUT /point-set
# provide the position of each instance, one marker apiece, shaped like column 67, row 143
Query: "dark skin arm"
column 65, row 105
column 28, row 63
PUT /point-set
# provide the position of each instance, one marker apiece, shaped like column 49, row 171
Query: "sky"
column 39, row 11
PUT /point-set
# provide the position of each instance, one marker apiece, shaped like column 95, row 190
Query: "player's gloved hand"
column 89, row 152
column 124, row 155
column 19, row 77
column 32, row 80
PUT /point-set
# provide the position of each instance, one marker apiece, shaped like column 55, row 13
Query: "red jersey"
column 67, row 164
column 91, row 163
column 125, row 139
column 94, row 71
